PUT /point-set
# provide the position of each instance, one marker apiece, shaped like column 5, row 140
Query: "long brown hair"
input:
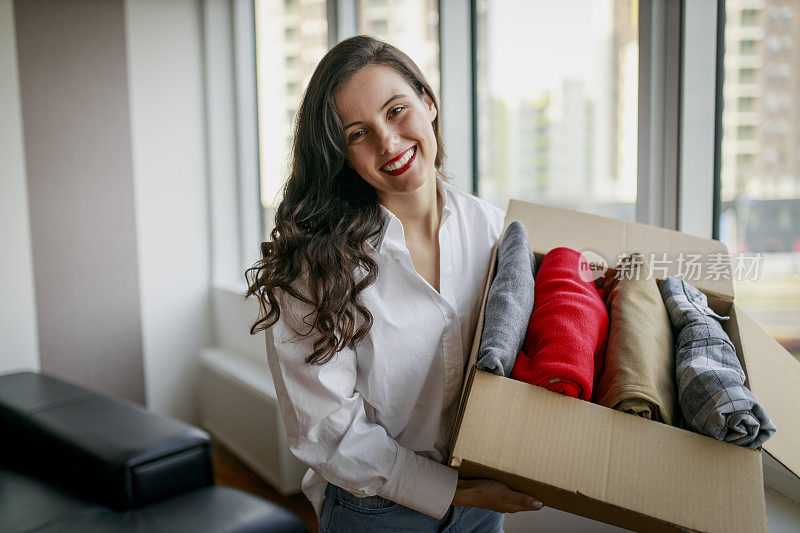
column 317, row 252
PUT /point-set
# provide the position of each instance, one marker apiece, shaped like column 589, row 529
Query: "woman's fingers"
column 494, row 495
column 510, row 499
column 525, row 502
column 513, row 508
column 531, row 503
column 521, row 499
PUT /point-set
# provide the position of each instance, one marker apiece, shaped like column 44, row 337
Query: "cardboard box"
column 611, row 466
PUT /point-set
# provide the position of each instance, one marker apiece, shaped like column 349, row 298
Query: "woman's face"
column 388, row 131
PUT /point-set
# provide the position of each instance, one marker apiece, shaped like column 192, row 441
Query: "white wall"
column 20, row 349
column 114, row 145
column 76, row 130
column 165, row 78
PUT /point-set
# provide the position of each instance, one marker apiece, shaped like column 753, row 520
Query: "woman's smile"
column 401, row 163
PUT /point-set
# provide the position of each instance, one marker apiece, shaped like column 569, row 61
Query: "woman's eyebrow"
column 389, row 101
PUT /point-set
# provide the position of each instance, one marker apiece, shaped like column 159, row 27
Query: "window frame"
column 458, row 92
column 232, row 135
column 700, row 115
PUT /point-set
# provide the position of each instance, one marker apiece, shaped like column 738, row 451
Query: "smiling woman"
column 369, row 293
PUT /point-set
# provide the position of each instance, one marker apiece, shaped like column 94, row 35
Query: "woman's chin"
column 408, row 184
column 406, row 188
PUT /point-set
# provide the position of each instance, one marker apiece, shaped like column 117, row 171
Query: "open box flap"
column 774, row 378
column 550, row 227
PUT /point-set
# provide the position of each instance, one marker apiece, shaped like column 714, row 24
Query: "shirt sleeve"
column 328, row 430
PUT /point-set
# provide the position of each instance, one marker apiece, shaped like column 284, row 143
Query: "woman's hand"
column 493, row 495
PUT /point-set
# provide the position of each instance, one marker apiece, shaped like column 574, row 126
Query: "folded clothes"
column 639, row 371
column 711, row 389
column 509, row 303
column 566, row 338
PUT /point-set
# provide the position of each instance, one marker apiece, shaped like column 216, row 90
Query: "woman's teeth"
column 400, row 162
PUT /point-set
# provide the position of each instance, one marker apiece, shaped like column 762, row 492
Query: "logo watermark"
column 594, row 266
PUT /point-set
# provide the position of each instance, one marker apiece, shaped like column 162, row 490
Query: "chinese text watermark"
column 687, row 266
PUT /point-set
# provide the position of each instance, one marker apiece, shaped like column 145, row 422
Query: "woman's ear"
column 431, row 107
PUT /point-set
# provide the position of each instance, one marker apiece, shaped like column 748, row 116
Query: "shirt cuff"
column 421, row 484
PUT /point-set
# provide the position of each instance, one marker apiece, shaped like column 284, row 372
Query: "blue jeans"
column 344, row 513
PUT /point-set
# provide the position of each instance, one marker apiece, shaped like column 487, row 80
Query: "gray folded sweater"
column 710, row 379
column 509, row 303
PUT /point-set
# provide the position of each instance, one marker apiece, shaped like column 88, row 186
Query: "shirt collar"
column 393, row 228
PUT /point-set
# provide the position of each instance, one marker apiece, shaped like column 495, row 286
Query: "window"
column 746, row 104
column 557, row 103
column 745, row 132
column 744, row 161
column 416, row 32
column 773, row 44
column 557, row 106
column 747, row 75
column 291, row 38
column 771, row 101
column 760, row 196
column 378, row 27
column 770, row 157
column 747, row 48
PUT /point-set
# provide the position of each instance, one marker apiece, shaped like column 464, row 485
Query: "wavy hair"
column 317, row 251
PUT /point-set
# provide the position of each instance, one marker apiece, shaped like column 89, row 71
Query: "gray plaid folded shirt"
column 711, row 390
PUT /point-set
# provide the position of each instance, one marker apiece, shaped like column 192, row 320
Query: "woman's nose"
column 388, row 141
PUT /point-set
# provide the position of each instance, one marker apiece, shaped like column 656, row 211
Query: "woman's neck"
column 419, row 211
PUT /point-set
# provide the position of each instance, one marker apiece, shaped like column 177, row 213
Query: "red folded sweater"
column 565, row 344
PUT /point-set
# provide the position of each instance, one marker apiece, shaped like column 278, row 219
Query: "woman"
column 369, row 293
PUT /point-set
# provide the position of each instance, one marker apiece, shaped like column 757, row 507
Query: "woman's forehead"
column 368, row 90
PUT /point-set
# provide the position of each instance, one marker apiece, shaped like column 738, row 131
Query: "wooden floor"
column 231, row 472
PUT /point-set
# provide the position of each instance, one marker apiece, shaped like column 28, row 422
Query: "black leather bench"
column 75, row 460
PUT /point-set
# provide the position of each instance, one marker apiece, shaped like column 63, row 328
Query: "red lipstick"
column 402, row 169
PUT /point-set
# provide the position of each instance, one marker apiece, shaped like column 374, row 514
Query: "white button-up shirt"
column 377, row 419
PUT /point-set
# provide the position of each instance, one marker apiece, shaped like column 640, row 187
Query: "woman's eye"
column 395, row 111
column 355, row 135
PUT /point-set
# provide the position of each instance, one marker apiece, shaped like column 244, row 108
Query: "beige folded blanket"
column 640, row 363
